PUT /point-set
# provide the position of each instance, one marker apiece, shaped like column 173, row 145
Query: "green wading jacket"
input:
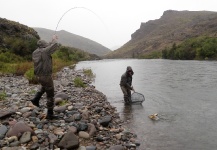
column 126, row 81
column 42, row 58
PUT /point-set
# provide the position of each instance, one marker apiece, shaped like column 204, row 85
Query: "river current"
column 182, row 93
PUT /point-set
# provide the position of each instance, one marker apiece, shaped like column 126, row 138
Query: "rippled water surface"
column 183, row 93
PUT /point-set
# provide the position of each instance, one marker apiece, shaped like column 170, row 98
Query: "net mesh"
column 137, row 97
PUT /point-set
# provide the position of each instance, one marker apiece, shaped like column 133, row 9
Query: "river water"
column 182, row 93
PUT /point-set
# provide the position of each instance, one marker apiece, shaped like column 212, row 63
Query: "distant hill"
column 172, row 27
column 72, row 40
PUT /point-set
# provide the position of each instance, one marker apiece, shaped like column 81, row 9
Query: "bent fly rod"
column 78, row 8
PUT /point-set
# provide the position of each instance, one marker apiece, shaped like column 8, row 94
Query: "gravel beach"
column 87, row 121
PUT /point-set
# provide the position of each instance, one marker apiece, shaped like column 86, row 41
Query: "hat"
column 129, row 68
column 42, row 43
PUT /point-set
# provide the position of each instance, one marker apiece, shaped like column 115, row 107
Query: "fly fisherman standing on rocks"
column 126, row 84
column 42, row 60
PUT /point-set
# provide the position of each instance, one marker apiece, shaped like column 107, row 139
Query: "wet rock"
column 34, row 146
column 60, row 108
column 25, row 109
column 91, row 129
column 104, row 121
column 52, row 138
column 69, row 141
column 27, row 114
column 81, row 148
column 18, row 129
column 72, row 112
column 118, row 136
column 26, row 137
column 70, row 107
column 98, row 109
column 12, row 139
column 99, row 138
column 91, row 148
column 58, row 131
column 38, row 131
column 124, row 138
column 15, row 143
column 61, row 96
column 34, row 139
column 77, row 117
column 137, row 143
column 84, row 135
column 116, row 147
column 82, row 126
column 6, row 113
column 12, row 148
column 78, row 105
column 72, row 129
column 3, row 130
column 85, row 115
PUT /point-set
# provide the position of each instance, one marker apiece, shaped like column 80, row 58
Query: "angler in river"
column 126, row 84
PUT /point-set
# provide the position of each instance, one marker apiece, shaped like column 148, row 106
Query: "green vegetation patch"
column 200, row 48
column 62, row 103
column 31, row 76
column 3, row 96
column 89, row 73
column 78, row 82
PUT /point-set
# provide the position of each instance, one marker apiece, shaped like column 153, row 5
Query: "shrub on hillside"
column 8, row 57
column 21, row 47
column 194, row 48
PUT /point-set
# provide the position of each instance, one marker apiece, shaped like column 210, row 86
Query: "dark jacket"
column 42, row 58
column 126, row 81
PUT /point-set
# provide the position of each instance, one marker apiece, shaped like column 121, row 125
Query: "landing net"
column 137, row 97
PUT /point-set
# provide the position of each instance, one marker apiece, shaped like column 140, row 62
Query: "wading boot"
column 126, row 100
column 35, row 100
column 50, row 115
column 129, row 99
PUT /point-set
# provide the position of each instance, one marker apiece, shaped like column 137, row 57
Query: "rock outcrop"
column 172, row 27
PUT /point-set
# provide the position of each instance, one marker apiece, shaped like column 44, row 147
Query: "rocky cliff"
column 172, row 27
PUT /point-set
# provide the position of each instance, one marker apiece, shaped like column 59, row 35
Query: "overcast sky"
column 108, row 22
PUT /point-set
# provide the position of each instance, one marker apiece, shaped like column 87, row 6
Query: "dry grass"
column 21, row 68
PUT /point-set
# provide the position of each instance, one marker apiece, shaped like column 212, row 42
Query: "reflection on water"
column 128, row 111
column 182, row 93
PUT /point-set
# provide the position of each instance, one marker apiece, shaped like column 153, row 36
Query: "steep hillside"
column 15, row 29
column 172, row 27
column 72, row 40
column 11, row 31
column 17, row 41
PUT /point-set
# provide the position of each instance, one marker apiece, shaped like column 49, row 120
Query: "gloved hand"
column 54, row 38
column 133, row 89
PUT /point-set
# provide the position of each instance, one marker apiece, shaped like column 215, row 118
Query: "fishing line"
column 81, row 8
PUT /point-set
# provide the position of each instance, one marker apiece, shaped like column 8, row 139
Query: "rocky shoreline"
column 87, row 121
